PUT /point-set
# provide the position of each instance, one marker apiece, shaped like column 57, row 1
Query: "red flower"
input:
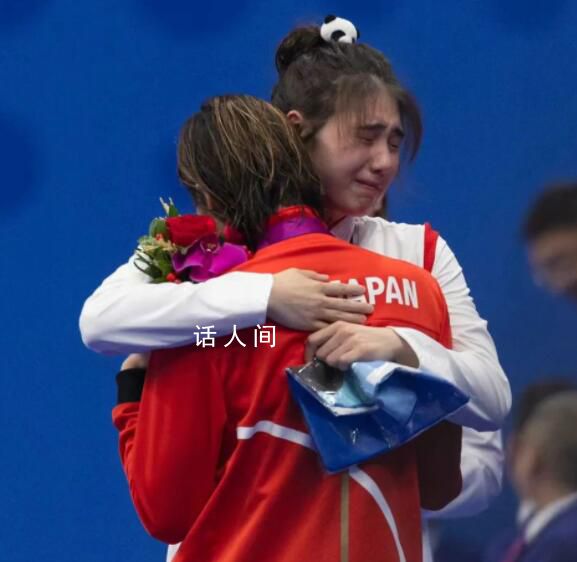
column 185, row 230
column 232, row 235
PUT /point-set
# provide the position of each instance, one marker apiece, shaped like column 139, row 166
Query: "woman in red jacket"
column 216, row 452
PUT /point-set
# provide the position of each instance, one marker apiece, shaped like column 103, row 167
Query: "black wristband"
column 129, row 385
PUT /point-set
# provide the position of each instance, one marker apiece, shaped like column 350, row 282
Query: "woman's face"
column 523, row 463
column 357, row 161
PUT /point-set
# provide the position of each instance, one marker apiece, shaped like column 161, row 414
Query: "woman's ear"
column 295, row 117
column 298, row 121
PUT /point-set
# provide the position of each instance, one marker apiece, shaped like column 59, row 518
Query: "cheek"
column 331, row 169
column 333, row 192
column 321, row 159
column 333, row 159
column 521, row 470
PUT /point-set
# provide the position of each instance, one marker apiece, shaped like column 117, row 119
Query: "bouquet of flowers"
column 185, row 248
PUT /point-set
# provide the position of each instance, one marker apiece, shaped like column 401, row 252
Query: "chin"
column 354, row 208
column 364, row 208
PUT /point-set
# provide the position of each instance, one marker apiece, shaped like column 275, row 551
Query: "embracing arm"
column 170, row 439
column 127, row 314
column 472, row 365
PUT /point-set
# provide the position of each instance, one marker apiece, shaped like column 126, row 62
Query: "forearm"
column 127, row 314
column 475, row 372
column 169, row 479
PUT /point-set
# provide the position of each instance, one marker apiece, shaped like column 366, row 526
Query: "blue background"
column 91, row 98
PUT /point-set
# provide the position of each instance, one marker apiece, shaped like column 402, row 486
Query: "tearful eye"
column 366, row 138
column 395, row 143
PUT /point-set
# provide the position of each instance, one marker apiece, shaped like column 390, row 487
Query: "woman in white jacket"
column 357, row 121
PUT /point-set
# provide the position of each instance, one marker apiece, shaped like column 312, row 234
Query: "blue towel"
column 371, row 409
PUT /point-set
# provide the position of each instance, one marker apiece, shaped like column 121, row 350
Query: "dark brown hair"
column 241, row 160
column 320, row 78
column 554, row 209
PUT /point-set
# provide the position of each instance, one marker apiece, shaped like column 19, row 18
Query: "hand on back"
column 306, row 300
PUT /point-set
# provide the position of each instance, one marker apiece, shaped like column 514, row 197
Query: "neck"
column 289, row 222
column 333, row 217
column 548, row 492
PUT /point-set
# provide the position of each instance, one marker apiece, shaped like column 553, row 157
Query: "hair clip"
column 339, row 29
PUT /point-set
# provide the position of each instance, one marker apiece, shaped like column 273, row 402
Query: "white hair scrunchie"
column 339, row 29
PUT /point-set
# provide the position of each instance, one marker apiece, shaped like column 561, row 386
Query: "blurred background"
column 92, row 95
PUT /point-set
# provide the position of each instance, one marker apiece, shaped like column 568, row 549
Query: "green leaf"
column 158, row 226
column 172, row 210
column 159, row 254
column 150, row 270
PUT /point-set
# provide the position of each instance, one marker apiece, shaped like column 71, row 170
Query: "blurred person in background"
column 550, row 231
column 542, row 463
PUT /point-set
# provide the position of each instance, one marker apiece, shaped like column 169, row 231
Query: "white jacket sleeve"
column 127, row 314
column 472, row 365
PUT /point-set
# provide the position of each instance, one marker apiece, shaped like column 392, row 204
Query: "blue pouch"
column 371, row 409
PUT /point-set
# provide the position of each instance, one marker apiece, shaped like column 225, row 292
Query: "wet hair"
column 322, row 78
column 241, row 160
column 554, row 209
column 551, row 431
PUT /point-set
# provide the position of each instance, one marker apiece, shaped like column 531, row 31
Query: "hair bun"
column 298, row 42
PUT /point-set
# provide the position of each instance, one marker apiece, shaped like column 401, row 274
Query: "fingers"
column 319, row 337
column 310, row 350
column 135, row 361
column 315, row 340
column 330, row 351
column 337, row 354
column 330, row 336
column 347, row 305
column 343, row 290
column 342, row 359
column 303, row 299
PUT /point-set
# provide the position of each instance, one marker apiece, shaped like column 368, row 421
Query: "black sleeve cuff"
column 129, row 385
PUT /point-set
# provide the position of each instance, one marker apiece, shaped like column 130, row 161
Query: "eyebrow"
column 379, row 127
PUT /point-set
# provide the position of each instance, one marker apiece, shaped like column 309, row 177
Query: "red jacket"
column 217, row 454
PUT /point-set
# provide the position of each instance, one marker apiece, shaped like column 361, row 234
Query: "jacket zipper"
column 345, row 500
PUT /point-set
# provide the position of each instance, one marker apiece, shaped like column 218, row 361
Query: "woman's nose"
column 383, row 159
